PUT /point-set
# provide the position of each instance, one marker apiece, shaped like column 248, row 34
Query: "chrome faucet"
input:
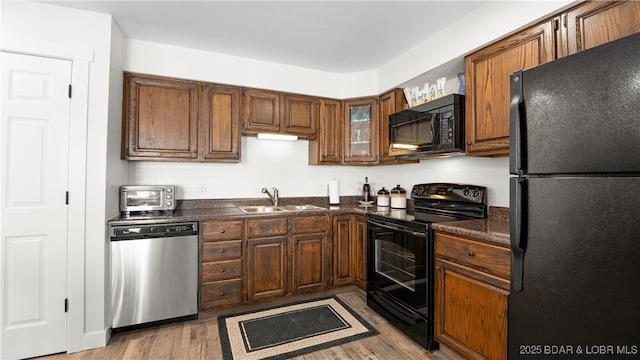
column 273, row 198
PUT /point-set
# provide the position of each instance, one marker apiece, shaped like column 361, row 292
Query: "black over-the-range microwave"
column 432, row 129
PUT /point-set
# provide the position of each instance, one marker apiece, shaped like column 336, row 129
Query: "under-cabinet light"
column 267, row 136
column 404, row 146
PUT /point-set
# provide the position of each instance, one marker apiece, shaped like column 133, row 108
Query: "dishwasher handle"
column 146, row 231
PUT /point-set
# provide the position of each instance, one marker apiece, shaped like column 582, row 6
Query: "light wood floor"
column 198, row 339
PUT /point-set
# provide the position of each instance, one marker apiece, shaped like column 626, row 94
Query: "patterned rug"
column 290, row 330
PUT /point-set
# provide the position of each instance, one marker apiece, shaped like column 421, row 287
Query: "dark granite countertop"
column 202, row 210
column 494, row 229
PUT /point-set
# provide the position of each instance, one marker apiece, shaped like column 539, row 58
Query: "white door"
column 34, row 142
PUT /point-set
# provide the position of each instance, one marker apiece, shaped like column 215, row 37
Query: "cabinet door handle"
column 471, row 253
column 297, row 242
column 284, row 243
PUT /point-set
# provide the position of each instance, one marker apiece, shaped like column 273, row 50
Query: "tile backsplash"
column 284, row 165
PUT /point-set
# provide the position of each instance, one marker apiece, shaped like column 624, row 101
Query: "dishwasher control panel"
column 152, row 230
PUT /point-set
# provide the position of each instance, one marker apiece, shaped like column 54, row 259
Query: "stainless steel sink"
column 301, row 207
column 261, row 209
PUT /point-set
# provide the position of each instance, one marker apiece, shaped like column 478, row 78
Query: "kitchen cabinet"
column 160, row 118
column 361, row 251
column 267, row 263
column 389, row 103
column 286, row 255
column 326, row 148
column 220, row 123
column 168, row 119
column 360, row 131
column 582, row 27
column 487, row 83
column 274, row 112
column 344, row 250
column 221, row 263
column 310, row 248
column 594, row 23
column 471, row 296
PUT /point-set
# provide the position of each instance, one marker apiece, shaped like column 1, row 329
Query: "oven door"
column 398, row 264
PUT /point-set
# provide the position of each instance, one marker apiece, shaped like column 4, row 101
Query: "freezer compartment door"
column 581, row 268
column 153, row 279
column 578, row 114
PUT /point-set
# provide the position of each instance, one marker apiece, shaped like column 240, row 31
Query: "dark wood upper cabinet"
column 261, row 111
column 587, row 25
column 326, row 149
column 301, row 115
column 274, row 112
column 487, row 79
column 389, row 103
column 168, row 119
column 360, row 129
column 220, row 123
column 595, row 23
column 160, row 119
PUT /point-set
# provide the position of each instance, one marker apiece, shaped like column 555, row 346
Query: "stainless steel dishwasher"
column 154, row 272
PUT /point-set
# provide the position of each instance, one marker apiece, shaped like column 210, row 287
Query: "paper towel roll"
column 334, row 192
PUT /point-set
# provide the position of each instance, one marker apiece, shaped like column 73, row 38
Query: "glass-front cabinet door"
column 361, row 131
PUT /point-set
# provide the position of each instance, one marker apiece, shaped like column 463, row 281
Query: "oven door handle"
column 398, row 228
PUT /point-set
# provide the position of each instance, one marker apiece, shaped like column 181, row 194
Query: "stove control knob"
column 476, row 192
column 465, row 192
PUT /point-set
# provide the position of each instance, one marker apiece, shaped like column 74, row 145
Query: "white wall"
column 43, row 29
column 283, row 164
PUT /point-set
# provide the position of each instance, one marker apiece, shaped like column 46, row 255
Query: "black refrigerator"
column 575, row 206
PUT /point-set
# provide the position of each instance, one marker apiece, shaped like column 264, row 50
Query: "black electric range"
column 400, row 254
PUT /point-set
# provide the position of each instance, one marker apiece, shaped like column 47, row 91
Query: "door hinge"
column 66, row 305
column 69, row 91
column 66, row 198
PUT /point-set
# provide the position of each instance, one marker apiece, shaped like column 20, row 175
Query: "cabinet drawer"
column 260, row 228
column 485, row 257
column 221, row 270
column 221, row 230
column 310, row 224
column 221, row 250
column 222, row 293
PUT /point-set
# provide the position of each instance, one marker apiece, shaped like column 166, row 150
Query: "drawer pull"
column 471, row 253
column 222, row 293
column 221, row 231
column 221, row 270
column 221, row 251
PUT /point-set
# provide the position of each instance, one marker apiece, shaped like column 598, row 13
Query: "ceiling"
column 333, row 36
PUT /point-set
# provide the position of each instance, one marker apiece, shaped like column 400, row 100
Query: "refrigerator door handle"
column 518, row 199
column 517, row 117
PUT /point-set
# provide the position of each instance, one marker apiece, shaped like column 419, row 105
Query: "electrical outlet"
column 203, row 189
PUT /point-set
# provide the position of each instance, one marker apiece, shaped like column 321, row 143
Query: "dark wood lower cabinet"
column 266, row 268
column 309, row 263
column 344, row 250
column 361, row 251
column 471, row 296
